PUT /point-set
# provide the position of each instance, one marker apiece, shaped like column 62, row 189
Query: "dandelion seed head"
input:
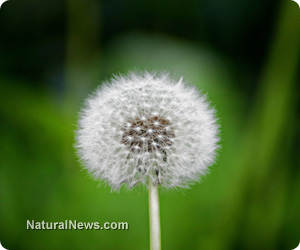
column 144, row 126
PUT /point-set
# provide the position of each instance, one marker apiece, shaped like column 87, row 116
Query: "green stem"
column 154, row 217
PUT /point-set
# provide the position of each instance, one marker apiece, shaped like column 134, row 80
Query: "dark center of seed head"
column 148, row 134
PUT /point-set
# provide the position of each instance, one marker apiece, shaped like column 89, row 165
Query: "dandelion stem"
column 154, row 217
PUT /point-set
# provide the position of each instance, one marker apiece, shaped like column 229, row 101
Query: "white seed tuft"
column 147, row 126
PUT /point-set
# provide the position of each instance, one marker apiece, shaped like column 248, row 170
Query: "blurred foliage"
column 250, row 199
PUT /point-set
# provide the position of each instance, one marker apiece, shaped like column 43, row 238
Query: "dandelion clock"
column 147, row 129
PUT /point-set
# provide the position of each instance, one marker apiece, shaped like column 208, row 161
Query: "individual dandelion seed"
column 147, row 128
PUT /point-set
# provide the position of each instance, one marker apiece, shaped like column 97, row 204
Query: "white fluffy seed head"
column 144, row 126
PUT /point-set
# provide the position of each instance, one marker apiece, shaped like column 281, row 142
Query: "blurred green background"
column 244, row 54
